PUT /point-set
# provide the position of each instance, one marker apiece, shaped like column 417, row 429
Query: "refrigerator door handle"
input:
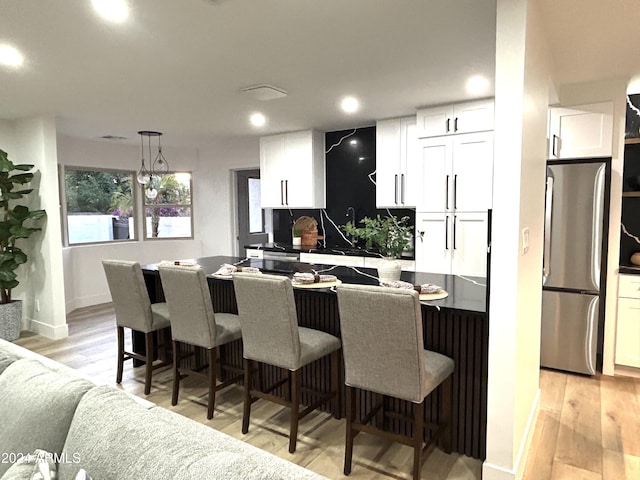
column 548, row 210
column 590, row 337
column 596, row 246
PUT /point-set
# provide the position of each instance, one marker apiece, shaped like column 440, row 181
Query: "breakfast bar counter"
column 456, row 326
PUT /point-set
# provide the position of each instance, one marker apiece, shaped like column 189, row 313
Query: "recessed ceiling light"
column 112, row 10
column 350, row 104
column 257, row 119
column 10, row 56
column 477, row 85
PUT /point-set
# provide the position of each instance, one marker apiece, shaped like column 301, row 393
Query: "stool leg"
column 176, row 373
column 120, row 331
column 351, row 411
column 335, row 384
column 418, row 437
column 148, row 343
column 445, row 415
column 246, row 412
column 295, row 409
column 213, row 373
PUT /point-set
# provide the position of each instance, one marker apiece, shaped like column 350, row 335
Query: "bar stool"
column 193, row 322
column 135, row 311
column 384, row 353
column 271, row 335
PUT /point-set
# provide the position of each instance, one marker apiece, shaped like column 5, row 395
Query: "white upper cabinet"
column 292, row 169
column 583, row 131
column 398, row 167
column 457, row 173
column 476, row 116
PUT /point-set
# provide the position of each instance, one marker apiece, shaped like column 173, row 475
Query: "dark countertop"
column 347, row 251
column 465, row 293
column 629, row 269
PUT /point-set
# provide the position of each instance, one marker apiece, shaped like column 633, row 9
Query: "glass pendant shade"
column 160, row 164
column 143, row 176
column 151, row 193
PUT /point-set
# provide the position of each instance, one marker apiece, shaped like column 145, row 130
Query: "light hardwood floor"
column 588, row 428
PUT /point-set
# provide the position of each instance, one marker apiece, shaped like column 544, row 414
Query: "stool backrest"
column 129, row 294
column 382, row 340
column 190, row 306
column 267, row 313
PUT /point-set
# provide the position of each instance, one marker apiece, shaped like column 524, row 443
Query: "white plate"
column 224, row 277
column 335, row 283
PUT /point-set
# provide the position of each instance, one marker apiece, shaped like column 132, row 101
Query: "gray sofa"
column 48, row 407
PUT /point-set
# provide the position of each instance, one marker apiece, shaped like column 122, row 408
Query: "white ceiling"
column 178, row 65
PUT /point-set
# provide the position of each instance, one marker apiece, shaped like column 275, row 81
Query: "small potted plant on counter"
column 12, row 228
column 389, row 236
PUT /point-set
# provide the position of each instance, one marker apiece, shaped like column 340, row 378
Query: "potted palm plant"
column 389, row 236
column 16, row 223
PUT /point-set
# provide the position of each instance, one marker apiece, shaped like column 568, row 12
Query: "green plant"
column 12, row 224
column 389, row 235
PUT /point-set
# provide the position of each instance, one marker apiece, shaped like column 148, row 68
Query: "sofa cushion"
column 36, row 407
column 118, row 439
column 6, row 359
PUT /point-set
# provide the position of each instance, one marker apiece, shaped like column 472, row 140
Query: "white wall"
column 522, row 97
column 610, row 90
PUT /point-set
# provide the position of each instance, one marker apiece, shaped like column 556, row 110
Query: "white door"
column 272, row 169
column 388, row 163
column 469, row 244
column 473, row 116
column 628, row 332
column 298, row 174
column 411, row 166
column 434, row 121
column 582, row 131
column 433, row 242
column 436, row 155
column 472, row 175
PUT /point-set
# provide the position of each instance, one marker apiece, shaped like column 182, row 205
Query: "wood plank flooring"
column 588, row 427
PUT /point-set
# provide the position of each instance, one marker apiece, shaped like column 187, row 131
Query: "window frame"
column 65, row 213
column 169, row 205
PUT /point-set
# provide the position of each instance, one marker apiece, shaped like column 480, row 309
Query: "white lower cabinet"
column 453, row 243
column 322, row 259
column 628, row 328
column 254, row 253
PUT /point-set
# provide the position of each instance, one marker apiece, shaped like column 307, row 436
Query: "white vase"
column 389, row 270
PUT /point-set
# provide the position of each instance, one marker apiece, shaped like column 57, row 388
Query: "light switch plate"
column 525, row 240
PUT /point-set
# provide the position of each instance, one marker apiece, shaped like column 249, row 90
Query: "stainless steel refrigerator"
column 574, row 269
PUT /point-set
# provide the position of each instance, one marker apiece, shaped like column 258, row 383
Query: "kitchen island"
column 456, row 326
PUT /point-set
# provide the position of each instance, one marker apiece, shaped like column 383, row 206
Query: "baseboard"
column 627, row 371
column 496, row 472
column 49, row 331
column 88, row 301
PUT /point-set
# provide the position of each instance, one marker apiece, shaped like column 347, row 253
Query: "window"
column 100, row 205
column 169, row 214
column 256, row 214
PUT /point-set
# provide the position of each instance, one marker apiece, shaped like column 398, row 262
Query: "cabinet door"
column 472, row 173
column 436, row 156
column 473, row 116
column 272, row 171
column 298, row 174
column 581, row 131
column 628, row 332
column 433, row 243
column 410, row 164
column 469, row 244
column 434, row 121
column 388, row 163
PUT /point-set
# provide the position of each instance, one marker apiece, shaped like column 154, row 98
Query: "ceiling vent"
column 264, row 92
column 113, row 137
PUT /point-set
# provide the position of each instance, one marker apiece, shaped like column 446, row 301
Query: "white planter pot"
column 11, row 320
column 389, row 270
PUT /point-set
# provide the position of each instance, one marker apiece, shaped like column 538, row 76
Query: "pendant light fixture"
column 148, row 179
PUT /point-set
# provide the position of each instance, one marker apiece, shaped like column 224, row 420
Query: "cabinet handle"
column 554, row 145
column 446, row 193
column 281, row 192
column 448, row 122
column 286, row 192
column 446, row 233
column 455, row 125
column 454, row 232
column 402, row 188
column 455, row 191
column 395, row 191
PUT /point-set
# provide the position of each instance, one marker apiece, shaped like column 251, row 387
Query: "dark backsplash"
column 350, row 173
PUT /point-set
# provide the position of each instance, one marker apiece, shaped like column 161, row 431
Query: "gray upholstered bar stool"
column 194, row 322
column 134, row 311
column 384, row 353
column 271, row 335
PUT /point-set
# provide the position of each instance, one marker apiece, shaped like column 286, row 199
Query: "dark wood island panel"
column 458, row 333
